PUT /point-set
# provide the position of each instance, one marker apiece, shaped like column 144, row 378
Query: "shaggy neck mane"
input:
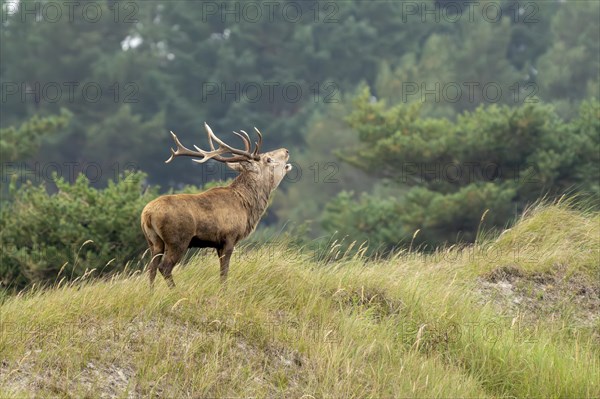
column 254, row 196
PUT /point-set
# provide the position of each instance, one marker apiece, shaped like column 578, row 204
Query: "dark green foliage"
column 154, row 60
column 183, row 51
column 434, row 217
column 17, row 143
column 78, row 228
column 136, row 143
column 497, row 157
column 454, row 72
column 586, row 128
column 530, row 33
column 568, row 71
column 318, row 174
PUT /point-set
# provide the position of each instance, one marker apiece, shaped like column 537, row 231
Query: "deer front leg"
column 224, row 253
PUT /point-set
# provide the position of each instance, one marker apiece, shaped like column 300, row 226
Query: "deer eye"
column 269, row 160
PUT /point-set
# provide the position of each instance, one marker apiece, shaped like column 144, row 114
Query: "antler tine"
column 247, row 137
column 216, row 157
column 210, row 143
column 230, row 149
column 246, row 140
column 181, row 150
column 238, row 155
column 199, row 153
column 211, row 136
column 259, row 144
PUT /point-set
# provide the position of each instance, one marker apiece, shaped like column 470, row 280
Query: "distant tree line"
column 397, row 120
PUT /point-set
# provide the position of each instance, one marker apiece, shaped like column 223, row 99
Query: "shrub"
column 46, row 236
column 448, row 173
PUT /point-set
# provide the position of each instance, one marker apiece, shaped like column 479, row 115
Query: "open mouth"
column 288, row 167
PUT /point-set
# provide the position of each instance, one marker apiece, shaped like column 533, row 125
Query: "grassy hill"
column 512, row 316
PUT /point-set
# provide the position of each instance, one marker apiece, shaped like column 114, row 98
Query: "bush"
column 78, row 228
column 449, row 173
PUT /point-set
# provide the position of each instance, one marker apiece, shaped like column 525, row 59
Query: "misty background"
column 399, row 116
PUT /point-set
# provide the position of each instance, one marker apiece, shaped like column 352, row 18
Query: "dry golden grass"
column 413, row 325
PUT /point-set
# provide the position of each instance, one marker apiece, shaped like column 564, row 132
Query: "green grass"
column 413, row 325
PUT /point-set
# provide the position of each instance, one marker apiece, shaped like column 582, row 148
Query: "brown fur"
column 217, row 218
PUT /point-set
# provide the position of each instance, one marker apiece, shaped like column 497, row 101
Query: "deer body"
column 217, row 218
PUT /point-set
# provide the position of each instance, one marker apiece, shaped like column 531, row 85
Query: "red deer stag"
column 217, row 218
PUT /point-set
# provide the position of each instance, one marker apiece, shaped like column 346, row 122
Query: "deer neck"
column 254, row 196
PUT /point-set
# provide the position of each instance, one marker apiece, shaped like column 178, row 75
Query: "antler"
column 239, row 155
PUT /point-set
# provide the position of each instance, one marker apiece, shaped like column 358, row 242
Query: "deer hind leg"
column 156, row 257
column 168, row 262
column 157, row 247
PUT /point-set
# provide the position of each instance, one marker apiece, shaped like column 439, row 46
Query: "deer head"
column 267, row 168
